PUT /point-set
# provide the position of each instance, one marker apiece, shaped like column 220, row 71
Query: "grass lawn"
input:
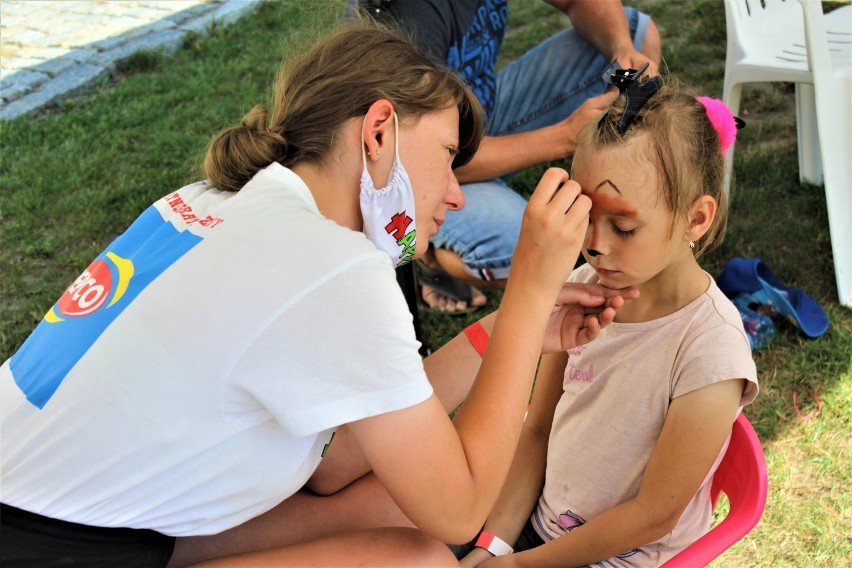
column 74, row 177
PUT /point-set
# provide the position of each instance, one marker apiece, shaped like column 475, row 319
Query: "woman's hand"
column 552, row 234
column 580, row 312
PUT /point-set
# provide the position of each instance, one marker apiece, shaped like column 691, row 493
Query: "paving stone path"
column 50, row 49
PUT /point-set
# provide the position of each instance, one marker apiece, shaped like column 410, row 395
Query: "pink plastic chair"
column 742, row 477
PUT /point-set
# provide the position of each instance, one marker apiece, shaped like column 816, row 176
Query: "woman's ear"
column 702, row 211
column 377, row 125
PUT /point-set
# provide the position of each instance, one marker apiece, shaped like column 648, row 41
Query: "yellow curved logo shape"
column 51, row 317
column 125, row 273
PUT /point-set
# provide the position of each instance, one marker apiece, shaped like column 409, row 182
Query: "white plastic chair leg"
column 810, row 157
column 731, row 95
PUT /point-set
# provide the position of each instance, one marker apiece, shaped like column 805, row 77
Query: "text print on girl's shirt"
column 573, row 372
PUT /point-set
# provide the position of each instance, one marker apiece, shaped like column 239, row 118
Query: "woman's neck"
column 335, row 189
column 335, row 182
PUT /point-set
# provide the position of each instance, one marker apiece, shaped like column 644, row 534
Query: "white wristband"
column 493, row 544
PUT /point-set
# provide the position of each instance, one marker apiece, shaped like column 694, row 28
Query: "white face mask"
column 388, row 213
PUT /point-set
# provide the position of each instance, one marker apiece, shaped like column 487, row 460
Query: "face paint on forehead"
column 604, row 203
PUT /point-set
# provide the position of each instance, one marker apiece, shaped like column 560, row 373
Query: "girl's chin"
column 614, row 279
column 605, row 274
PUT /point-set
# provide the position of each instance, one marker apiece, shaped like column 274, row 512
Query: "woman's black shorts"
column 28, row 539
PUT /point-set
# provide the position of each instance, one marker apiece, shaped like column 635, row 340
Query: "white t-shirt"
column 190, row 379
column 617, row 391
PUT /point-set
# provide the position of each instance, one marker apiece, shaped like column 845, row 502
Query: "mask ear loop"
column 395, row 138
column 364, row 142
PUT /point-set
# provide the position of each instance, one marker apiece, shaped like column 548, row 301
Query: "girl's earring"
column 691, row 244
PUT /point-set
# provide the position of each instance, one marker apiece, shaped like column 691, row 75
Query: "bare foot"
column 438, row 301
column 443, row 292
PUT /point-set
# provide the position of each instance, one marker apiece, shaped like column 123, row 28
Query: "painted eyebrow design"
column 613, row 206
column 606, row 181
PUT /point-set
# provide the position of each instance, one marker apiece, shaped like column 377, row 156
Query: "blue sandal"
column 751, row 276
column 757, row 325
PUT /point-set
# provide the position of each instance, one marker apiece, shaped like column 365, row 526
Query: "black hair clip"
column 638, row 92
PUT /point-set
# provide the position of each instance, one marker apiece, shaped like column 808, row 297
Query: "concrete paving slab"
column 50, row 49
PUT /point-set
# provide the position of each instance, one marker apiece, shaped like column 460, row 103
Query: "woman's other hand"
column 580, row 312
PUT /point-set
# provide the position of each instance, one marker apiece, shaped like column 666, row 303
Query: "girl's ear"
column 702, row 211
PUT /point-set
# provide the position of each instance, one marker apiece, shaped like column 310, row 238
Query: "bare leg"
column 343, row 464
column 378, row 547
column 303, row 517
column 451, row 262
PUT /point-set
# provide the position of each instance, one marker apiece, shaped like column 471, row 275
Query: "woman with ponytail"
column 244, row 344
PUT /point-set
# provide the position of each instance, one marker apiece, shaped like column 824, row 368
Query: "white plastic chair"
column 785, row 40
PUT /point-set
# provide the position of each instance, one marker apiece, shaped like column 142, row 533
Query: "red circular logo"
column 88, row 292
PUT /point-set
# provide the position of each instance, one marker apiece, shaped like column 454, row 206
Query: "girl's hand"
column 581, row 311
column 552, row 234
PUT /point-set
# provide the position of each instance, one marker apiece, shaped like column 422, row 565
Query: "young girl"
column 624, row 434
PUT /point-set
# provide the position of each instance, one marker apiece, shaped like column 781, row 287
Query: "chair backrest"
column 742, row 477
column 770, row 31
column 828, row 37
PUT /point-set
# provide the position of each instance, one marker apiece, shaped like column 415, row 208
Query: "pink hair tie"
column 723, row 120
